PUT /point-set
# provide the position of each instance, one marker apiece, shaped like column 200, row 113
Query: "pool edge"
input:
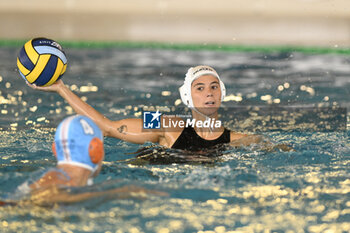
column 188, row 46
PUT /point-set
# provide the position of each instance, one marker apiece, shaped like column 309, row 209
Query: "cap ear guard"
column 96, row 151
column 186, row 96
column 223, row 90
column 53, row 147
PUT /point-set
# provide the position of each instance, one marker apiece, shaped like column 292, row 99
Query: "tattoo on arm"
column 122, row 129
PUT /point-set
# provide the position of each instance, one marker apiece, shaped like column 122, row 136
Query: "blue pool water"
column 244, row 190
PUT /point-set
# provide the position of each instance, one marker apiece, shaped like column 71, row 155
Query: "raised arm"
column 127, row 129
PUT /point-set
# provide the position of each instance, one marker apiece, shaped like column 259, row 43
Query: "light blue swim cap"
column 79, row 142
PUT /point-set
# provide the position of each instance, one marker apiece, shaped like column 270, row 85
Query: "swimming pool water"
column 245, row 190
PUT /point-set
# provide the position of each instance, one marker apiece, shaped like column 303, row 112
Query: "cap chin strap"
column 202, row 114
column 90, row 181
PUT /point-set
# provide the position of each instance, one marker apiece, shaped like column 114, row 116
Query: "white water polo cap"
column 79, row 142
column 192, row 74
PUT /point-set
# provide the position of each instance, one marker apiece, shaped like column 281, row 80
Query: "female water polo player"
column 78, row 148
column 202, row 91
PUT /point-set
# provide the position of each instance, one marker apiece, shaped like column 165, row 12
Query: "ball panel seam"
column 39, row 67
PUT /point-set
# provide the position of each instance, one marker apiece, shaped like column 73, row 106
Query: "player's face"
column 206, row 94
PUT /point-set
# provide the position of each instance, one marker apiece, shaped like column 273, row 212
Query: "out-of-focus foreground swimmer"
column 78, row 148
column 202, row 92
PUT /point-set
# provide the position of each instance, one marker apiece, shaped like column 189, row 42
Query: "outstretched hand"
column 263, row 142
column 279, row 147
column 53, row 88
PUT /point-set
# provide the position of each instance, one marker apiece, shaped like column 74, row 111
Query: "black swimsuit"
column 190, row 140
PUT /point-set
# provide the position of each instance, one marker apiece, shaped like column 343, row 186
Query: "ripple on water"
column 246, row 190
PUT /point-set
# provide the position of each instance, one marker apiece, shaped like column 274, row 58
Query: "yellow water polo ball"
column 41, row 61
